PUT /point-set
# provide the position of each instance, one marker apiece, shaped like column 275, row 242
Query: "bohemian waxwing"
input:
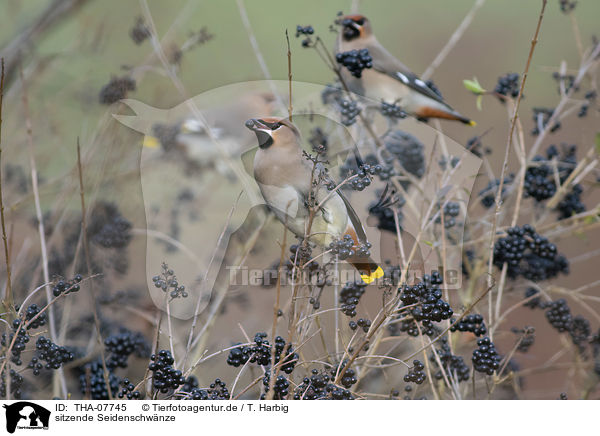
column 284, row 177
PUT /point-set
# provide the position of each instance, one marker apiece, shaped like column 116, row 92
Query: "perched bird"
column 285, row 178
column 388, row 79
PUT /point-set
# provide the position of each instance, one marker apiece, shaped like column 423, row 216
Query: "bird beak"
column 256, row 125
column 263, row 133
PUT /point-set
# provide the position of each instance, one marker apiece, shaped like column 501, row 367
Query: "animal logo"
column 25, row 414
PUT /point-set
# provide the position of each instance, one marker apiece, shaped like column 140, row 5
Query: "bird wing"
column 352, row 215
column 384, row 62
column 354, row 219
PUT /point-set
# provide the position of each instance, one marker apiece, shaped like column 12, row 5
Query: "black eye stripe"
column 272, row 126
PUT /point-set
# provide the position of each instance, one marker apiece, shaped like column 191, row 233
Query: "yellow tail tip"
column 472, row 123
column 370, row 278
column 150, row 142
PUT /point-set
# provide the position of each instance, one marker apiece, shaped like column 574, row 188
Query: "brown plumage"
column 284, row 177
column 389, row 79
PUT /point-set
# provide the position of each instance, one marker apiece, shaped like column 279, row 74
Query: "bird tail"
column 431, row 112
column 368, row 269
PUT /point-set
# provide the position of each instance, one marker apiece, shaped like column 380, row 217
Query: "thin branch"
column 506, row 155
column 40, row 220
column 289, row 57
column 7, row 303
column 257, row 52
column 458, row 33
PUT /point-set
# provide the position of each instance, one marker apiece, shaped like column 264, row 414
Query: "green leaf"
column 478, row 102
column 428, row 243
column 473, row 86
column 598, row 143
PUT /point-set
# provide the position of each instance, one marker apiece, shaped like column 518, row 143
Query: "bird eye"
column 276, row 126
column 360, row 21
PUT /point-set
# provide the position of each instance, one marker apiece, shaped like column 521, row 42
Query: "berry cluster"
column 116, row 89
column 590, row 96
column 488, row 194
column 539, row 180
column 217, row 390
column 507, row 86
column 128, row 391
column 408, row 326
column 407, row 150
column 567, row 6
column 365, row 324
column 453, row 366
column 67, row 286
column 306, row 31
column 349, row 30
column 529, row 255
column 559, row 315
column 16, row 383
column 580, row 332
column 349, row 377
column 331, row 93
column 280, row 388
column 566, row 161
column 541, row 116
column 93, row 383
column 260, row 353
column 33, row 313
column 475, row 146
column 355, row 61
column 108, row 228
column 35, row 365
column 470, row 323
column 566, row 80
column 318, row 141
column 19, row 342
column 122, row 345
column 139, row 32
column 451, row 211
column 571, row 203
column 536, row 302
column 485, row 358
column 427, row 296
column 444, row 160
column 167, row 280
column 344, row 248
column 164, row 376
column 384, row 212
column 350, row 296
column 300, row 254
column 318, row 387
column 349, row 110
column 54, row 355
column 392, row 111
column 362, row 174
column 526, row 339
column 416, row 374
